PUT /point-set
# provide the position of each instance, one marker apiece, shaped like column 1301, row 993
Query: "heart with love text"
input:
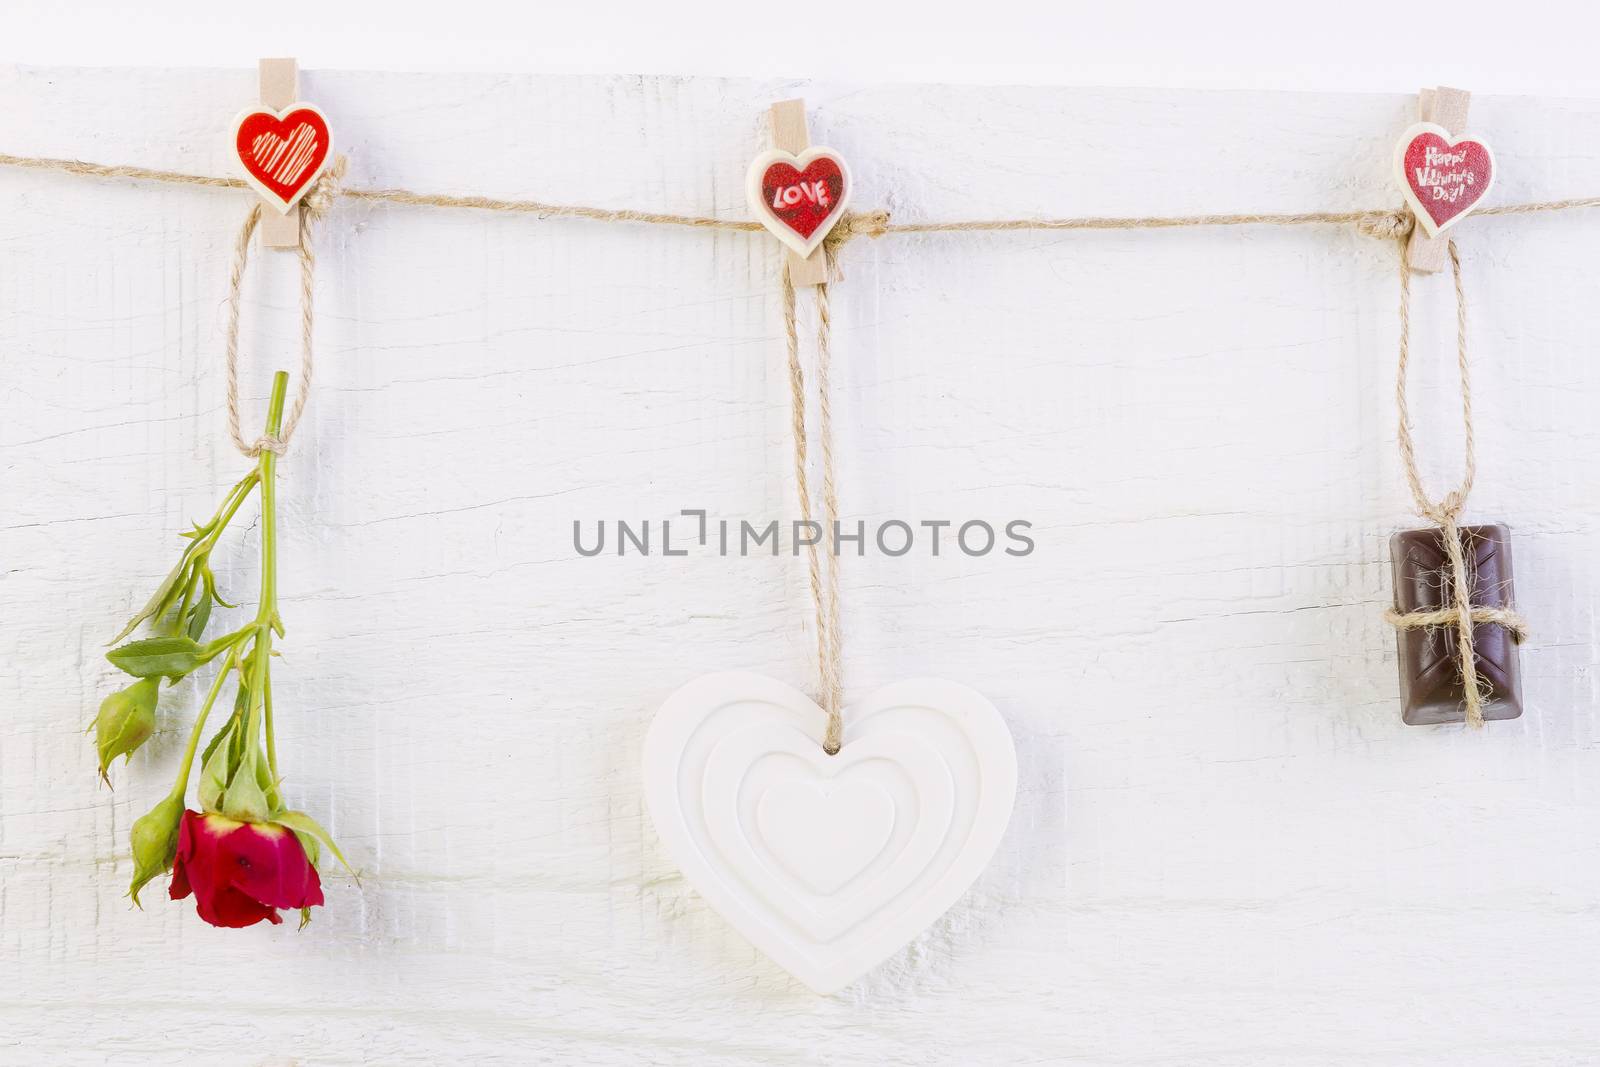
column 799, row 198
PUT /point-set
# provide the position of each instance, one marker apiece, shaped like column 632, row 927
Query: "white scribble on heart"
column 284, row 160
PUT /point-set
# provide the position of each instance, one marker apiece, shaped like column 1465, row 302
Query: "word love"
column 282, row 152
column 799, row 198
column 789, row 195
column 1442, row 178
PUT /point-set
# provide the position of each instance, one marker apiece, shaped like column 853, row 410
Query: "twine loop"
column 313, row 207
column 1445, row 512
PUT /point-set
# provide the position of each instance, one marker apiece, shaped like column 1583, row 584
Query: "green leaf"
column 300, row 822
column 214, row 770
column 211, row 585
column 312, row 850
column 199, row 617
column 268, row 784
column 219, row 737
column 220, row 644
column 159, row 601
column 155, row 657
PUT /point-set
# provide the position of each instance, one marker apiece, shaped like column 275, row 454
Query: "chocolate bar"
column 1430, row 666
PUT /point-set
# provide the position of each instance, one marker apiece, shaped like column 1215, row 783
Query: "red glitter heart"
column 1443, row 178
column 283, row 152
column 803, row 199
column 799, row 198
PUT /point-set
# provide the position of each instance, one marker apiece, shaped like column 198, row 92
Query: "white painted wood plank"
column 1227, row 848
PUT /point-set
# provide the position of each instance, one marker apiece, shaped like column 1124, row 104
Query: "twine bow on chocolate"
column 1445, row 513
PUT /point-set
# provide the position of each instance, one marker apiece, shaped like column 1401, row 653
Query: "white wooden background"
column 1226, row 849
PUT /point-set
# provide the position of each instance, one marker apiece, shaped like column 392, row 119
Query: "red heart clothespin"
column 1443, row 177
column 798, row 193
column 282, row 152
column 799, row 198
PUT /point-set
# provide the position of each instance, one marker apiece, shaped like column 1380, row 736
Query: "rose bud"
column 155, row 842
column 127, row 719
column 241, row 872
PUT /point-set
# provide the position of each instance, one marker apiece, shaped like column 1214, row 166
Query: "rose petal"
column 232, row 909
column 180, row 888
column 269, row 865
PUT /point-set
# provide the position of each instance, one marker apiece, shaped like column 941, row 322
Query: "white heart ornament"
column 829, row 864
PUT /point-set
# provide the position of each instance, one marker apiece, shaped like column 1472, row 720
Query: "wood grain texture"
column 1226, row 850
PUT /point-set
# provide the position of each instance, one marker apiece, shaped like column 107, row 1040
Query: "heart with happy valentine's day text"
column 1442, row 177
column 282, row 151
column 799, row 198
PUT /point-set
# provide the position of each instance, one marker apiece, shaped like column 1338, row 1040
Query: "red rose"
column 241, row 872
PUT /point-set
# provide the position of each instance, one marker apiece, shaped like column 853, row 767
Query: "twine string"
column 1386, row 222
column 834, row 679
column 313, row 206
column 824, row 582
column 1446, row 511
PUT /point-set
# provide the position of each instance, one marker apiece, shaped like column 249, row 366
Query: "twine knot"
column 1388, row 225
column 325, row 191
column 872, row 224
column 267, row 443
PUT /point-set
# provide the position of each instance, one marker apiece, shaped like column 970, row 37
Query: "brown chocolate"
column 1430, row 666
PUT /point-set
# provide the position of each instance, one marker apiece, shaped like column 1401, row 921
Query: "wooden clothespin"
column 799, row 193
column 791, row 134
column 280, row 89
column 283, row 145
column 1448, row 108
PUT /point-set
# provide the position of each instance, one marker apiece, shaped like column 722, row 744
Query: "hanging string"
column 824, row 581
column 1446, row 511
column 1386, row 222
column 313, row 206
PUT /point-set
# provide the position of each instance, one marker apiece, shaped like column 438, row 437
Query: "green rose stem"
column 181, row 787
column 266, row 614
column 260, row 711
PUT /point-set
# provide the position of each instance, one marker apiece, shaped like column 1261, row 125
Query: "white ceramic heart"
column 829, row 864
